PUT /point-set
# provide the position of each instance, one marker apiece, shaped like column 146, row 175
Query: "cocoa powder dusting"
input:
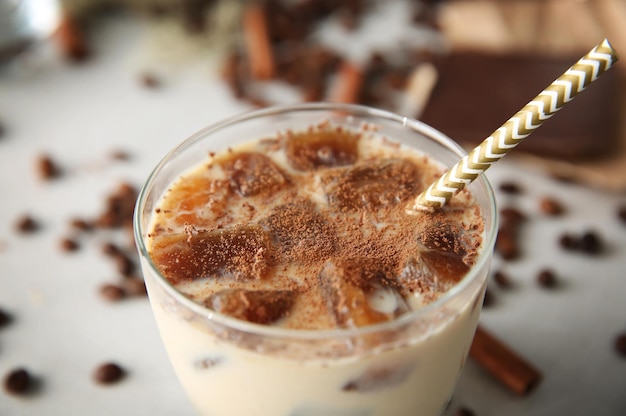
column 309, row 262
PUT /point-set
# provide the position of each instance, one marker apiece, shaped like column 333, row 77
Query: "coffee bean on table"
column 108, row 373
column 547, row 278
column 5, row 318
column 620, row 344
column 18, row 381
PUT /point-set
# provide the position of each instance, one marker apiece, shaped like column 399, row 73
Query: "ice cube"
column 374, row 184
column 253, row 174
column 300, row 233
column 379, row 378
column 258, row 306
column 240, row 252
column 321, row 147
column 350, row 286
column 432, row 272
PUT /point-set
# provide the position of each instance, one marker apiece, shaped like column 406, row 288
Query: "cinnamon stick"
column 347, row 86
column 70, row 39
column 258, row 44
column 503, row 363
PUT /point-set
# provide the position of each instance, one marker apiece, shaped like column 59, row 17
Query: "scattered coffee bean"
column 569, row 242
column 69, row 245
column 502, row 279
column 3, row 130
column 547, row 278
column 17, row 381
column 620, row 344
column 5, row 318
column 81, row 224
column 510, row 188
column 111, row 249
column 150, row 81
column 47, row 168
column 464, row 411
column 27, row 224
column 112, row 292
column 506, row 244
column 134, row 286
column 590, row 243
column 512, row 216
column 120, row 155
column 125, row 264
column 550, row 206
column 108, row 373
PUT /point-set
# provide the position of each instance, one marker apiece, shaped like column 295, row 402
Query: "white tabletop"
column 62, row 327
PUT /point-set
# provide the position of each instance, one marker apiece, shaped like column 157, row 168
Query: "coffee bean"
column 112, row 292
column 69, row 245
column 590, row 243
column 620, row 344
column 17, row 381
column 108, row 373
column 569, row 242
column 26, row 224
column 547, row 278
column 5, row 318
column 134, row 286
column 510, row 188
column 512, row 216
column 502, row 279
column 506, row 245
column 47, row 168
column 550, row 206
column 464, row 411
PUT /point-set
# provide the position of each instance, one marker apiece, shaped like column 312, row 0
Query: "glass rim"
column 310, row 334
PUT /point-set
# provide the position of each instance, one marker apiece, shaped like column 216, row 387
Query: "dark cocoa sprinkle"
column 108, row 373
column 17, row 381
column 69, row 245
column 546, row 278
column 569, row 242
column 550, row 206
column 502, row 279
column 590, row 243
column 5, row 318
column 621, row 214
column 620, row 344
column 112, row 292
column 27, row 224
column 47, row 168
column 511, row 188
column 464, row 411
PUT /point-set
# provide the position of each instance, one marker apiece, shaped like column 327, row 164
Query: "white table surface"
column 63, row 329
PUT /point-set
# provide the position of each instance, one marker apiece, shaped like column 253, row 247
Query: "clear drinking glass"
column 231, row 367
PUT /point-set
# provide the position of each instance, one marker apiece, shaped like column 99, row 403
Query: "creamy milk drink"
column 287, row 278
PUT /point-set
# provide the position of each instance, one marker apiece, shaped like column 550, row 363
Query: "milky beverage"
column 298, row 274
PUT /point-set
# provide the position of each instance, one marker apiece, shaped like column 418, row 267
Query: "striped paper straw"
column 517, row 128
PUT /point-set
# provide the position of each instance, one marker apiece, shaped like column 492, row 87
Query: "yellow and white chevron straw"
column 517, row 128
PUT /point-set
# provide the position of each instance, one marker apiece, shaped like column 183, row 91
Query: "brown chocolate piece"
column 477, row 93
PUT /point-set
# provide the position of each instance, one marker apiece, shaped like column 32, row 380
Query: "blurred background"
column 93, row 93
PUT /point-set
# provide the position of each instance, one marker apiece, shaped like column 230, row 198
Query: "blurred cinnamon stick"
column 257, row 41
column 503, row 363
column 347, row 86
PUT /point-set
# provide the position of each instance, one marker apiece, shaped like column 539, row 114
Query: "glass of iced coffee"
column 287, row 277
